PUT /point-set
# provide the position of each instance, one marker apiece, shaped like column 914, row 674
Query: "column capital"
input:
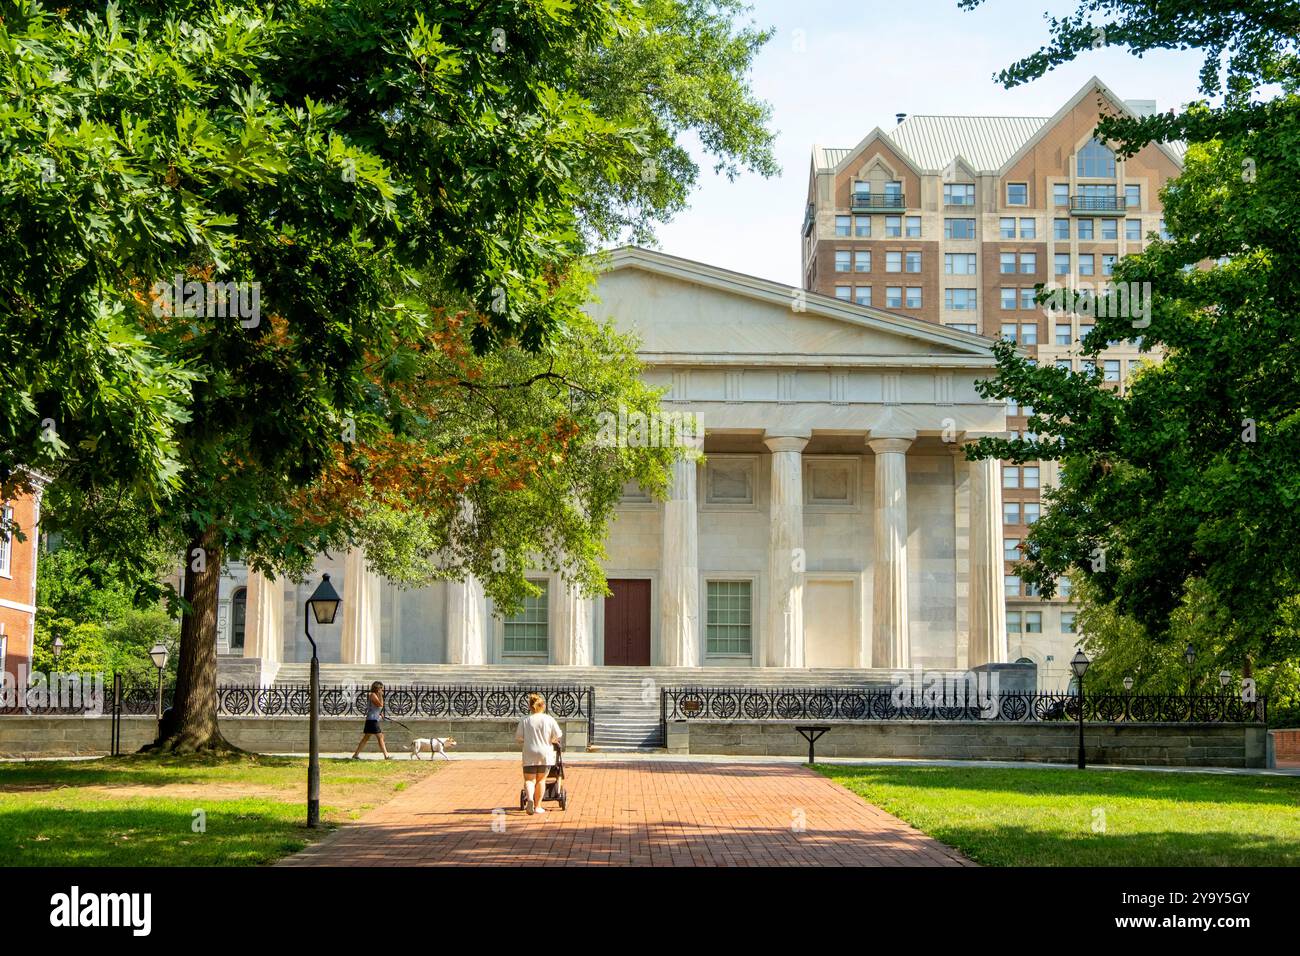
column 787, row 442
column 883, row 445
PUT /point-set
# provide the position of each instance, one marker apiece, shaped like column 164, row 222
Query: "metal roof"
column 985, row 142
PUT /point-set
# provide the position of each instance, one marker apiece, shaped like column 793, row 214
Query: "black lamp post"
column 1079, row 665
column 56, row 647
column 1189, row 657
column 324, row 603
column 159, row 655
column 1225, row 678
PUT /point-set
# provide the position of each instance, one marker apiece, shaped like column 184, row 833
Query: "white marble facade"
column 832, row 520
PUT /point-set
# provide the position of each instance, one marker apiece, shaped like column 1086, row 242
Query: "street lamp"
column 1225, row 678
column 1128, row 683
column 1079, row 664
column 324, row 603
column 57, row 647
column 159, row 654
column 1189, row 656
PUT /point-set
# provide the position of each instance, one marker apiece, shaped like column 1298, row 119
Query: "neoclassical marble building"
column 833, row 520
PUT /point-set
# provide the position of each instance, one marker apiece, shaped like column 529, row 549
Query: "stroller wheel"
column 523, row 799
column 564, row 800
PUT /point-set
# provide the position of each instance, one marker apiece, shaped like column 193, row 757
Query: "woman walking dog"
column 539, row 733
column 374, row 710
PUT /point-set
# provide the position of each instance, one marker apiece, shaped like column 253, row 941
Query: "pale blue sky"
column 862, row 62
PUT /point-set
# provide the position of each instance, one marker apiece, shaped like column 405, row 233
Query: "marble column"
column 679, row 582
column 891, row 633
column 988, row 612
column 466, row 624
column 264, row 619
column 787, row 559
column 360, row 638
column 574, row 614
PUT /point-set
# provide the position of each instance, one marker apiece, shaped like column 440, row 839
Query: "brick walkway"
column 631, row 813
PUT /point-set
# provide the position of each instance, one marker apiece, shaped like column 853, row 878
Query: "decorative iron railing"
column 860, row 202
column 1098, row 203
column 840, row 703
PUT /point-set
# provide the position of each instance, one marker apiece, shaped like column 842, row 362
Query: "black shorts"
column 537, row 768
column 372, row 727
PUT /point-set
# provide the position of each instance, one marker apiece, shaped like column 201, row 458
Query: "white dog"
column 431, row 746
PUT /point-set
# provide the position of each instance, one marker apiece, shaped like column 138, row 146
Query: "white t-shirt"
column 539, row 732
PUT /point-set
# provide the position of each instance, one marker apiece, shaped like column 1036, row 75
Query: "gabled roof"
column 960, row 348
column 989, row 144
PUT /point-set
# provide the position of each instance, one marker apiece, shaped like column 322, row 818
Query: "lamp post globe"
column 324, row 604
column 57, row 646
column 158, row 654
column 1128, row 683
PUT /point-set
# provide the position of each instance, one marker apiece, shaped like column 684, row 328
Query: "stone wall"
column 64, row 736
column 1188, row 745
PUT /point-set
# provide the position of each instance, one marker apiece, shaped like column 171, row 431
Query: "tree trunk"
column 193, row 724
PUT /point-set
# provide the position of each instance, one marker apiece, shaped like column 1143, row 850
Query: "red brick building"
column 18, row 579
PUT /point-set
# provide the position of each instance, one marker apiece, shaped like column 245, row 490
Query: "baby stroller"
column 554, row 789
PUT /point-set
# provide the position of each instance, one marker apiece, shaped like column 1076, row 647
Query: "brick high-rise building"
column 954, row 220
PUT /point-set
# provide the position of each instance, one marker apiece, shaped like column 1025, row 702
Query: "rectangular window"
column 1031, row 589
column 861, row 261
column 6, row 541
column 1063, row 586
column 862, row 226
column 893, row 297
column 1109, row 230
column 1133, row 230
column 1031, row 476
column 843, row 292
column 1061, row 194
column 1087, row 264
column 1029, row 333
column 525, row 632
column 1067, row 622
column 912, row 262
column 1084, row 329
column 959, row 263
column 1010, row 476
column 1164, row 231
column 959, row 194
column 893, row 226
column 959, row 228
column 1010, row 549
column 1017, row 194
column 964, row 327
column 1065, row 365
column 1008, row 299
column 1028, row 263
column 1007, row 263
column 1011, row 584
column 893, row 262
column 842, row 260
column 1033, row 622
column 960, row 300
column 1061, row 229
column 862, row 295
column 861, row 189
column 1061, row 264
column 1008, row 331
column 842, row 226
column 1133, row 196
column 1032, row 511
column 1011, row 512
column 1013, row 622
column 913, row 227
column 1110, row 370
column 1108, row 264
column 894, row 191
column 1064, row 334
column 1028, row 298
column 729, row 627
column 1028, row 229
column 1006, row 228
column 913, row 297
column 1085, row 230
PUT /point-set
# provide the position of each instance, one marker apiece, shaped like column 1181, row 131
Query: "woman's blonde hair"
column 376, row 687
column 536, row 703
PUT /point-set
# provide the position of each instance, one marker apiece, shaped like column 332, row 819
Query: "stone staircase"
column 627, row 699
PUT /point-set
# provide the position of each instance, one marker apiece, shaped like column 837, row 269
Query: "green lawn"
column 140, row 811
column 1067, row 817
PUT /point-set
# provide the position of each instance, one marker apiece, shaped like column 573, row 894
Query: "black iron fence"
column 839, row 703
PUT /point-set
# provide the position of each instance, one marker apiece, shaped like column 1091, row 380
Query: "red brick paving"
column 638, row 813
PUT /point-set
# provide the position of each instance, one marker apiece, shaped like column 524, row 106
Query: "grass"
column 146, row 811
column 1037, row 817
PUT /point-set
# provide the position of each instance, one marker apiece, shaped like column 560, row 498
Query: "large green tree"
column 1187, row 483
column 390, row 179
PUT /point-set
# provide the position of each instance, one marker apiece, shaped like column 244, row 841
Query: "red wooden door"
column 627, row 623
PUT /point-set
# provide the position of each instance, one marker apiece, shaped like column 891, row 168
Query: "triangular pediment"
column 685, row 312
